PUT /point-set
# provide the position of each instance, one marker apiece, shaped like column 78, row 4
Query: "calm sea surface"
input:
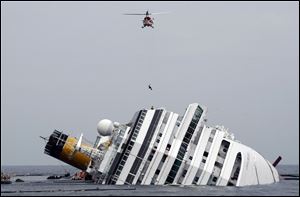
column 36, row 183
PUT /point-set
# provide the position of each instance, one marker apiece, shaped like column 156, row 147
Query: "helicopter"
column 147, row 21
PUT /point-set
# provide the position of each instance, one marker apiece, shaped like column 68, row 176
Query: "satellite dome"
column 116, row 124
column 105, row 127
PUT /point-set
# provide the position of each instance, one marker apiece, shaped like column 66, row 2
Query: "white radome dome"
column 105, row 127
column 116, row 124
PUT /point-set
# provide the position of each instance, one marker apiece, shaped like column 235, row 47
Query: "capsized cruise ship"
column 160, row 147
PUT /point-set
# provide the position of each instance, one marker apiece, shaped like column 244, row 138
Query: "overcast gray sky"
column 67, row 65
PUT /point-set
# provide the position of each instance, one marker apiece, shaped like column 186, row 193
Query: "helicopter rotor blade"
column 156, row 13
column 134, row 14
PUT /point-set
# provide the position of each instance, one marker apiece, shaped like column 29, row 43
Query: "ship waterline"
column 159, row 147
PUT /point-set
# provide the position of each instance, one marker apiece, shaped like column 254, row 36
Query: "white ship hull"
column 160, row 147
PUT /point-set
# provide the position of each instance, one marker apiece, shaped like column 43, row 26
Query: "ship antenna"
column 44, row 138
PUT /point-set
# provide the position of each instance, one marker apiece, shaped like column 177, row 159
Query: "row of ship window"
column 181, row 153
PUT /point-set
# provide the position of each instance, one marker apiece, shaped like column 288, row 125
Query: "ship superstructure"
column 161, row 147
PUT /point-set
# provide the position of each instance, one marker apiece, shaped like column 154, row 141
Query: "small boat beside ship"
column 5, row 178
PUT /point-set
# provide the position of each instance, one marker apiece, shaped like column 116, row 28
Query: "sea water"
column 36, row 183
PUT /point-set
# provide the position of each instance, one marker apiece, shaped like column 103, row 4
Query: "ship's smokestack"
column 62, row 147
